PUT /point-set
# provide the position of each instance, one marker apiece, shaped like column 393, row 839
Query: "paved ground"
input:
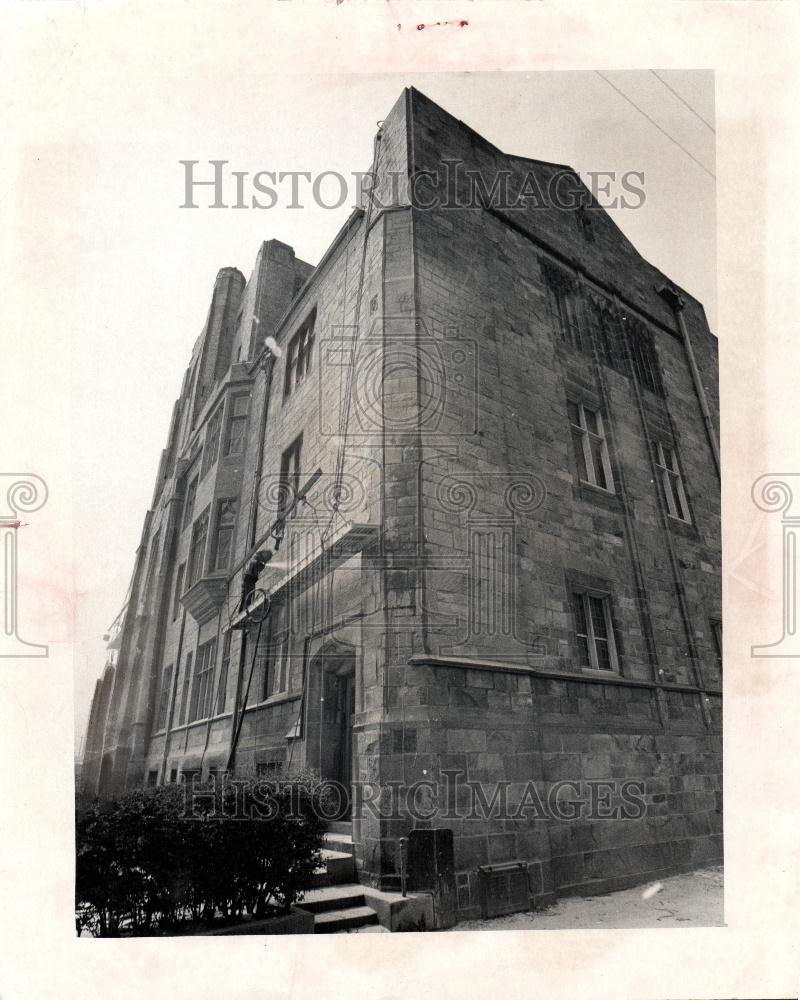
column 693, row 900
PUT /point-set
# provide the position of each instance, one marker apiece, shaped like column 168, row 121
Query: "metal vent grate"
column 503, row 888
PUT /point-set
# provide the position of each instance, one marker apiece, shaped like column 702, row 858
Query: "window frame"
column 587, row 436
column 189, row 500
column 222, row 681
column 288, row 490
column 197, row 553
column 716, row 639
column 668, row 477
column 202, row 698
column 180, row 577
column 163, row 697
column 585, row 595
column 235, row 418
column 211, row 441
column 299, row 354
column 229, row 526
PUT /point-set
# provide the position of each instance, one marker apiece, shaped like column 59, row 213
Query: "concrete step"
column 341, row 826
column 337, row 868
column 342, row 842
column 333, row 897
column 332, row 921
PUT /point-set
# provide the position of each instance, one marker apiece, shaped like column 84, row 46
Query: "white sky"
column 142, row 269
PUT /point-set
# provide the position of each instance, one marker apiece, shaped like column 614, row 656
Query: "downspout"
column 677, row 303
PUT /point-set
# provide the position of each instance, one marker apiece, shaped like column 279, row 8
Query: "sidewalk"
column 693, row 900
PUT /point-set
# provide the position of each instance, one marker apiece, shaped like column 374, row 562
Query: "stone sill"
column 275, row 699
column 590, row 676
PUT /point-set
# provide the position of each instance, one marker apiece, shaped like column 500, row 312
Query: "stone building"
column 456, row 531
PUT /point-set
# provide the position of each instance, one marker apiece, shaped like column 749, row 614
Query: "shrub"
column 169, row 857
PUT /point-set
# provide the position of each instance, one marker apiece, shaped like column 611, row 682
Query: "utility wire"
column 684, row 101
column 655, row 123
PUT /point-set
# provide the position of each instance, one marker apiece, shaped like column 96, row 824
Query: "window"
column 188, row 503
column 298, row 355
column 202, row 694
column 226, row 524
column 562, row 300
column 237, row 424
column 163, row 701
column 173, row 776
column 716, row 633
column 290, row 475
column 594, row 631
column 276, row 664
column 198, row 548
column 188, row 775
column 152, row 778
column 604, row 329
column 212, row 441
column 222, row 686
column 176, row 602
column 187, row 678
column 591, row 450
column 644, row 358
column 672, row 483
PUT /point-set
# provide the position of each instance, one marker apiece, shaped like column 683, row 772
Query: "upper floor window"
column 197, row 550
column 226, row 524
column 237, row 424
column 290, row 475
column 222, row 686
column 187, row 677
column 202, row 689
column 672, row 482
column 644, row 357
column 562, row 300
column 591, row 449
column 212, row 441
column 188, row 503
column 176, row 600
column 298, row 355
column 163, row 701
column 603, row 324
column 716, row 634
column 594, row 631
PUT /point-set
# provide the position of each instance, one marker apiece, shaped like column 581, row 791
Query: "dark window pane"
column 580, row 458
column 598, row 617
column 579, row 610
column 603, row 657
column 599, row 467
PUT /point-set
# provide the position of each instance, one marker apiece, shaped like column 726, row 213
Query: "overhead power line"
column 663, row 131
column 684, row 101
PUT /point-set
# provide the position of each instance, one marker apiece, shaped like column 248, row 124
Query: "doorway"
column 332, row 707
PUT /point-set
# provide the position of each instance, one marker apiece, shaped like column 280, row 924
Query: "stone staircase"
column 337, row 901
column 341, row 905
